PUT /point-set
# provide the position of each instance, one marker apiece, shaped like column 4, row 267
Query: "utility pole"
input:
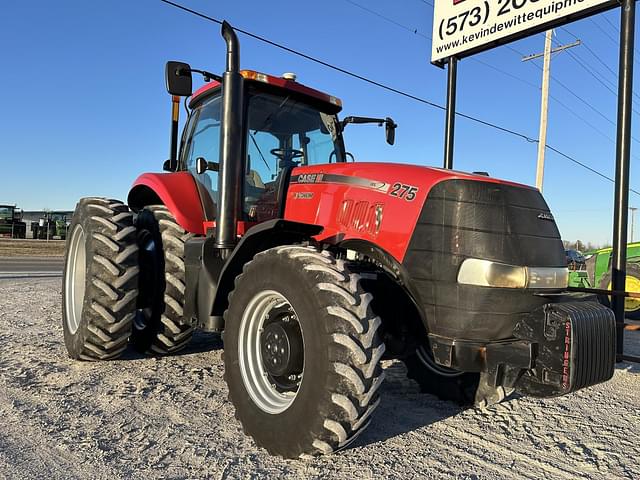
column 633, row 218
column 544, row 103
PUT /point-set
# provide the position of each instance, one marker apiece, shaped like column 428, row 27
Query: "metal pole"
column 623, row 153
column 544, row 106
column 633, row 219
column 449, row 127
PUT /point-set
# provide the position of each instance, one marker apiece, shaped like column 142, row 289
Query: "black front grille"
column 478, row 219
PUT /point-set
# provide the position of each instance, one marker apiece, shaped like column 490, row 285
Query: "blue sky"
column 85, row 109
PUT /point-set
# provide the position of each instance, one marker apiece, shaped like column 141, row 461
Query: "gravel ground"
column 169, row 418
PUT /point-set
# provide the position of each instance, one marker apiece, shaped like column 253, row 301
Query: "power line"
column 577, row 115
column 590, row 72
column 379, row 15
column 590, row 50
column 583, row 165
column 610, row 24
column 349, row 73
column 582, row 100
column 604, row 32
column 604, row 64
column 390, row 89
column 416, row 32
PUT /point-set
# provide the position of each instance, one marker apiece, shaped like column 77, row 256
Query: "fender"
column 392, row 266
column 177, row 191
column 210, row 278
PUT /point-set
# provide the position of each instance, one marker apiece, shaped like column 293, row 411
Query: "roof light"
column 253, row 75
column 289, row 77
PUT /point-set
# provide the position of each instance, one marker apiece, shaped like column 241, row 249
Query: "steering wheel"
column 335, row 154
column 284, row 153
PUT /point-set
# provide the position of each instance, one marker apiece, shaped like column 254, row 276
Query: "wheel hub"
column 150, row 279
column 281, row 345
column 271, row 351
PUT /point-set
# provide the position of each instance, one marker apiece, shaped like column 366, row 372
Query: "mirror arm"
column 359, row 120
column 390, row 125
column 208, row 76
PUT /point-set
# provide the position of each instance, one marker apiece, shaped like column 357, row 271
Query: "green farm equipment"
column 53, row 226
column 578, row 276
column 11, row 224
column 599, row 276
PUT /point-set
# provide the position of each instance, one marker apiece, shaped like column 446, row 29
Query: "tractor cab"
column 285, row 125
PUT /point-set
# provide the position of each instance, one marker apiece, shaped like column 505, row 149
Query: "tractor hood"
column 375, row 202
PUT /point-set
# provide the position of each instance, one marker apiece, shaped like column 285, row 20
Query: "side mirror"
column 202, row 166
column 170, row 165
column 390, row 129
column 178, row 79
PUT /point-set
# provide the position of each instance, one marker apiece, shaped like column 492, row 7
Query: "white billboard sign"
column 463, row 27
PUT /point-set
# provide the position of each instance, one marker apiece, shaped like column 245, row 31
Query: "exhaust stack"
column 231, row 164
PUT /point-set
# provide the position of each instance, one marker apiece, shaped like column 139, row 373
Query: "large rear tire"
column 159, row 326
column 302, row 352
column 100, row 280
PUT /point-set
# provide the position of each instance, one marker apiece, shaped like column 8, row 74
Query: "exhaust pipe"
column 231, row 165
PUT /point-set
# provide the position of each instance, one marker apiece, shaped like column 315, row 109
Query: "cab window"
column 203, row 140
column 283, row 133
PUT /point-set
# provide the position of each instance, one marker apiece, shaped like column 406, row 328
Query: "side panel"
column 376, row 202
column 177, row 191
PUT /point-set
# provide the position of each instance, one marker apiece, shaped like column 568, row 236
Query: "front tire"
column 444, row 383
column 302, row 352
column 100, row 280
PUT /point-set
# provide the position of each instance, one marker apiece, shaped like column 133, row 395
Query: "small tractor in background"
column 11, row 224
column 53, row 226
column 315, row 267
column 576, row 263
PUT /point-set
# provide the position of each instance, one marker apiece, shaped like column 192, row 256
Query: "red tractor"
column 316, row 268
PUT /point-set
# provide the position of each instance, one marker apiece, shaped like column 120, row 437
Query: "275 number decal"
column 401, row 190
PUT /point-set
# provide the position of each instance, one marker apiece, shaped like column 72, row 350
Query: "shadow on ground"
column 202, row 342
column 403, row 408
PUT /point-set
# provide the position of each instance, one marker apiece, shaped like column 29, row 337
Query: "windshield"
column 6, row 213
column 284, row 132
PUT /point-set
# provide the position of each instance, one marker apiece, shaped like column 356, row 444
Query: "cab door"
column 202, row 139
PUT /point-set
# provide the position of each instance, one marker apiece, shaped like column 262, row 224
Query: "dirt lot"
column 169, row 418
column 31, row 248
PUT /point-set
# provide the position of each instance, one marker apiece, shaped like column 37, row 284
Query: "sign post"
column 450, row 123
column 623, row 154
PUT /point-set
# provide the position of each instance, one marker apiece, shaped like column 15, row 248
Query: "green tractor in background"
column 598, row 273
column 11, row 224
column 53, row 226
column 578, row 275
